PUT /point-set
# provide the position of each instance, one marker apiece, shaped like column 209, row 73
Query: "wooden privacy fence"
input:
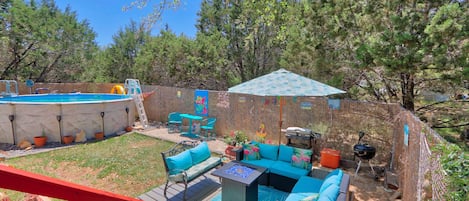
column 401, row 138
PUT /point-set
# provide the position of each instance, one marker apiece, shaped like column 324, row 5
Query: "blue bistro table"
column 239, row 181
column 190, row 117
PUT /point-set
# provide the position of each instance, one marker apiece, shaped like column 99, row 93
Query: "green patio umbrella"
column 284, row 83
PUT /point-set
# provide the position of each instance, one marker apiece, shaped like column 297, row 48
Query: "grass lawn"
column 129, row 165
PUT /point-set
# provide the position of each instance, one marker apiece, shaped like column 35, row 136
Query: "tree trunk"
column 407, row 89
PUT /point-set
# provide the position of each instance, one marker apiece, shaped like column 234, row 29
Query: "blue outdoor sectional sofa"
column 290, row 169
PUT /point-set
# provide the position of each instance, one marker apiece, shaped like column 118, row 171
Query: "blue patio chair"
column 207, row 129
column 174, row 122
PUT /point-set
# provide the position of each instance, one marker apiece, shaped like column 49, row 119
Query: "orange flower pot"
column 40, row 141
column 67, row 139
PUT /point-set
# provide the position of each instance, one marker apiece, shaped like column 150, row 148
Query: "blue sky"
column 106, row 17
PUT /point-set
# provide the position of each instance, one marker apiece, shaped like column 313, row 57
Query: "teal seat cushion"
column 265, row 163
column 287, row 170
column 196, row 170
column 180, row 162
column 330, row 193
column 307, row 184
column 200, row 153
column 285, row 153
column 268, row 151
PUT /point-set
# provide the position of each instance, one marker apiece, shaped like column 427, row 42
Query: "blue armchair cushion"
column 199, row 153
column 301, row 158
column 268, row 151
column 251, row 152
column 330, row 193
column 180, row 162
column 285, row 153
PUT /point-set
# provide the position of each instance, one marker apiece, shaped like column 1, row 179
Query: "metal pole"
column 12, row 118
column 59, row 119
column 102, row 119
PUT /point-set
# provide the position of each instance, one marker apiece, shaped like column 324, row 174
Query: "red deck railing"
column 20, row 180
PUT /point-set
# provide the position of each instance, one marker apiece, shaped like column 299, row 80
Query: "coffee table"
column 239, row 181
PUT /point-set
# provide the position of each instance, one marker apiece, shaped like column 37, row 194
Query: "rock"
column 81, row 136
column 24, row 144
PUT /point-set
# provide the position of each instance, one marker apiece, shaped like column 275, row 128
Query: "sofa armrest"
column 239, row 153
column 344, row 188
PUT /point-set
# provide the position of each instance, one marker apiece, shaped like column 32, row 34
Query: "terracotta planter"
column 67, row 139
column 230, row 152
column 99, row 135
column 128, row 128
column 40, row 141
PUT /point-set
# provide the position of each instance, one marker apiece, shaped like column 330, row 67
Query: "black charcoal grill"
column 364, row 152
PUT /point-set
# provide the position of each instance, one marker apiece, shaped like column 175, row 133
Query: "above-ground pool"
column 24, row 117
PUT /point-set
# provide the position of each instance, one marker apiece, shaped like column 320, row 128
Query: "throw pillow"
column 312, row 197
column 251, row 152
column 301, row 158
column 178, row 163
column 200, row 153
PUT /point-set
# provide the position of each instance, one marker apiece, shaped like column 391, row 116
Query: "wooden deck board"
column 199, row 189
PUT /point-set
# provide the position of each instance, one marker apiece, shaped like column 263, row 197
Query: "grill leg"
column 358, row 167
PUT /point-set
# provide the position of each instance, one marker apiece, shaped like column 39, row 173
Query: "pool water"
column 64, row 98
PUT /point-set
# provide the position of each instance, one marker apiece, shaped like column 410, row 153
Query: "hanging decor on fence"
column 201, row 102
column 306, row 105
column 406, row 135
column 334, row 104
column 178, row 94
column 223, row 100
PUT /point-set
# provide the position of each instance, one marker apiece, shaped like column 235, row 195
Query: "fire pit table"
column 239, row 181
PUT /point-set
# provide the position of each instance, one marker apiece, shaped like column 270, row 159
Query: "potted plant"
column 235, row 139
column 67, row 139
column 41, row 140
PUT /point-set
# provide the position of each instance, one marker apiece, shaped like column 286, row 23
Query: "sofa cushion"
column 251, row 152
column 196, row 170
column 180, row 162
column 307, row 184
column 329, row 194
column 268, row 151
column 287, row 170
column 265, row 163
column 285, row 153
column 200, row 153
column 301, row 158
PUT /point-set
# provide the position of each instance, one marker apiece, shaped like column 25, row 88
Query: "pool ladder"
column 133, row 89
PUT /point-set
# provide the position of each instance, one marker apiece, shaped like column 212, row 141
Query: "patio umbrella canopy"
column 284, row 83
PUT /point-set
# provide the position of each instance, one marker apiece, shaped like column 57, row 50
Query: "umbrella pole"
column 280, row 122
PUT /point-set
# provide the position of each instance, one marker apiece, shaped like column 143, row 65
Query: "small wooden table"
column 190, row 117
column 239, row 181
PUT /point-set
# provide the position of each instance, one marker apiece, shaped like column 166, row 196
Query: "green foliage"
column 44, row 43
column 455, row 164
